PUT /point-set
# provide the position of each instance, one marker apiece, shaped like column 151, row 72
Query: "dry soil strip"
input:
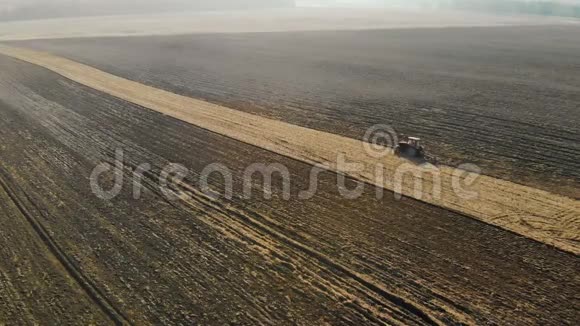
column 537, row 214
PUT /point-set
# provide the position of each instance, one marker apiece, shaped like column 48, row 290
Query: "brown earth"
column 207, row 260
column 34, row 286
column 504, row 98
column 537, row 214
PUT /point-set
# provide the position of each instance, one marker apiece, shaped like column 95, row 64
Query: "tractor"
column 410, row 147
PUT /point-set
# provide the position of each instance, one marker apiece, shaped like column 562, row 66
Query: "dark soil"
column 214, row 261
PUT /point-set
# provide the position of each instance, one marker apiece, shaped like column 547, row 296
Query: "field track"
column 537, row 214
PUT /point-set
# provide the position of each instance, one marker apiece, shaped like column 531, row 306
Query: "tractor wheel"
column 398, row 151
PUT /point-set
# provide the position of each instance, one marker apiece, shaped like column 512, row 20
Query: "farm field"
column 500, row 97
column 538, row 215
column 213, row 260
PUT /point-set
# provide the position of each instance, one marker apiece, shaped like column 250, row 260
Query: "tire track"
column 84, row 282
column 311, row 252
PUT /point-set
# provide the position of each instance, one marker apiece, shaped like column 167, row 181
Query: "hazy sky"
column 12, row 4
column 123, row 5
column 399, row 3
column 42, row 8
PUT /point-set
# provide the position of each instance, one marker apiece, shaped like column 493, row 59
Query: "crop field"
column 205, row 260
column 539, row 215
column 500, row 97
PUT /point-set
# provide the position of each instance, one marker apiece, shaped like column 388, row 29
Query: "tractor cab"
column 414, row 141
column 410, row 147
